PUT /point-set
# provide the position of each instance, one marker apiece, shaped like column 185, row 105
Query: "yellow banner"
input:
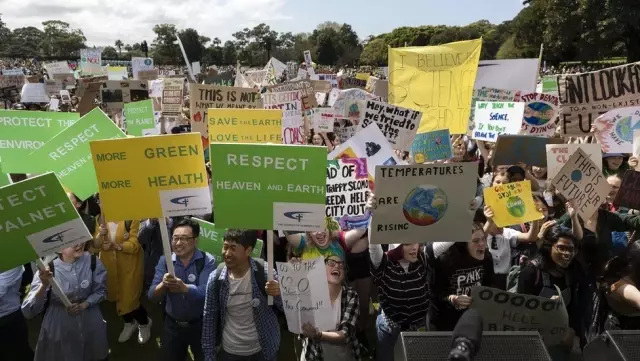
column 245, row 125
column 363, row 76
column 151, row 177
column 436, row 80
column 512, row 203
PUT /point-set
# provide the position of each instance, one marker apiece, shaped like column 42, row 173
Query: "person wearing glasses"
column 555, row 267
column 122, row 256
column 341, row 343
column 184, row 293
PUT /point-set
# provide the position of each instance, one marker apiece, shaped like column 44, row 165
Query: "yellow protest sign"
column 363, row 76
column 436, row 80
column 245, row 125
column 512, row 203
column 151, row 177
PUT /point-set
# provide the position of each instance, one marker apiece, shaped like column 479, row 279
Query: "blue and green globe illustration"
column 538, row 113
column 425, row 205
column 624, row 130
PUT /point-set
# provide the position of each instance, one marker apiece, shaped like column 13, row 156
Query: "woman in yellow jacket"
column 123, row 258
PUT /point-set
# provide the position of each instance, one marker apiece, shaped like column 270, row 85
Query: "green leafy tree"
column 109, row 52
column 194, row 44
column 375, row 53
column 61, row 40
column 24, row 42
column 164, row 47
column 119, row 44
column 229, row 53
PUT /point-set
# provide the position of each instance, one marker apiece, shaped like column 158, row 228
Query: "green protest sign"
column 37, row 219
column 68, row 154
column 23, row 132
column 140, row 119
column 211, row 240
column 549, row 84
column 268, row 186
column 5, row 178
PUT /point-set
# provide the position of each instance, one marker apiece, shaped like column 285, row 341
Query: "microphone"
column 467, row 336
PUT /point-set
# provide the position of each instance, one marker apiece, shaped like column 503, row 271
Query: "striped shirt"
column 404, row 294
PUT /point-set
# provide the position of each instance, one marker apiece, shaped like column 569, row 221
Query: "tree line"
column 571, row 30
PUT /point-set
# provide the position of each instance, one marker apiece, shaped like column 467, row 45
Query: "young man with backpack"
column 238, row 322
column 184, row 293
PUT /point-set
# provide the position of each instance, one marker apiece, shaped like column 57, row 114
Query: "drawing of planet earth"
column 425, row 205
column 515, row 207
column 624, row 129
column 538, row 113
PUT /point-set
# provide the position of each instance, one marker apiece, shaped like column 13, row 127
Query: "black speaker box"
column 496, row 346
column 614, row 346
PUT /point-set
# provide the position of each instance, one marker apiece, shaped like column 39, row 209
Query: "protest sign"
column 140, row 118
column 344, row 129
column 520, row 74
column 23, row 132
column 115, row 94
column 290, row 103
column 172, row 96
column 437, row 80
column 203, row 97
column 540, row 113
column 36, row 220
column 69, row 156
column 431, row 146
column 34, row 93
column 305, row 294
column 53, row 87
column 347, row 192
column 614, row 129
column 504, row 311
column 59, row 67
column 5, row 178
column 512, row 203
column 513, row 149
column 399, row 125
column 493, row 119
column 12, row 72
column 12, row 80
column 369, row 143
column 586, row 96
column 211, row 239
column 629, row 193
column 322, row 120
column 351, row 83
column 278, row 186
column 151, row 177
column 87, row 101
column 423, row 203
column 558, row 155
column 321, row 86
column 331, row 78
column 582, row 181
column 308, row 99
column 343, row 99
column 91, row 61
column 146, row 75
column 308, row 62
column 550, row 84
column 117, row 73
column 245, row 125
column 140, row 64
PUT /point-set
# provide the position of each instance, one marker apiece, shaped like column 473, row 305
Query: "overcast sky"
column 105, row 21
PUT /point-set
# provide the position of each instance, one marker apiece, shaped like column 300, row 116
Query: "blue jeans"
column 386, row 337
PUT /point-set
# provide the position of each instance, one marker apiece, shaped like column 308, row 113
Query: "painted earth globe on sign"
column 624, row 129
column 425, row 205
column 538, row 113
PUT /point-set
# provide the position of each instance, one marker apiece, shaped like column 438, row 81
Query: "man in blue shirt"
column 183, row 293
column 14, row 336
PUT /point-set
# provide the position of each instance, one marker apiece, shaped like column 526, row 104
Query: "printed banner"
column 347, row 192
column 23, row 132
column 245, row 126
column 424, row 203
column 204, row 97
column 211, row 239
column 436, row 80
column 36, row 220
column 581, row 180
column 399, row 125
column 495, row 118
column 68, row 153
column 140, row 118
column 172, row 96
column 305, row 295
column 504, row 311
column 432, row 146
column 268, row 186
column 540, row 113
column 586, row 96
column 614, row 129
column 370, row 144
column 151, row 177
column 559, row 154
column 512, row 203
column 291, row 106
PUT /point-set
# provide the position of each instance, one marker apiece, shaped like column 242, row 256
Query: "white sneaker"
column 127, row 331
column 144, row 333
